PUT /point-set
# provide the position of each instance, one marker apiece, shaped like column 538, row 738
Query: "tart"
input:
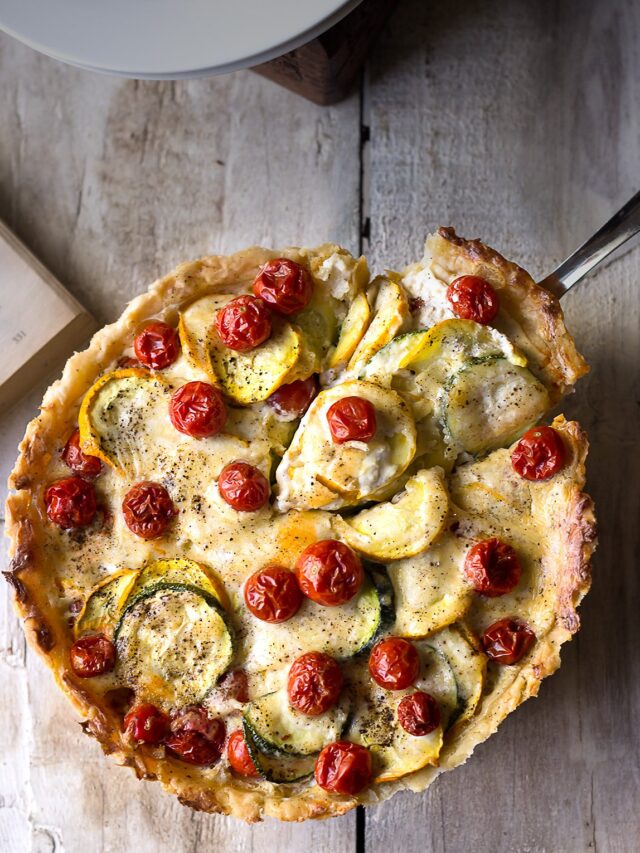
column 292, row 538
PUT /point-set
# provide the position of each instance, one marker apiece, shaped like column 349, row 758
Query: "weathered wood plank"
column 111, row 183
column 519, row 123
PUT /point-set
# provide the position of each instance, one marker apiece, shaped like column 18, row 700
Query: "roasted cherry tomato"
column 344, row 768
column 292, row 401
column 473, row 298
column 419, row 714
column 329, row 572
column 146, row 724
column 272, row 594
column 284, row 285
column 235, row 685
column 197, row 409
column 92, row 655
column 239, row 757
column 148, row 509
column 492, row 567
column 157, row 345
column 126, row 362
column 70, row 502
column 244, row 323
column 352, row 419
column 195, row 737
column 394, row 663
column 314, row 683
column 507, row 641
column 79, row 462
column 539, row 454
column 243, row 487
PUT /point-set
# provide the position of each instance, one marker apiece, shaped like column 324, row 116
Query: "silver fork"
column 621, row 227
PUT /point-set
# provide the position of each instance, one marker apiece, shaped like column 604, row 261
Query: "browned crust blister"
column 572, row 524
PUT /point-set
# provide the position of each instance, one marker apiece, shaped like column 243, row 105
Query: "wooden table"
column 519, row 122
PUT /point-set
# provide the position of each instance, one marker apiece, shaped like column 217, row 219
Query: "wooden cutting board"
column 40, row 322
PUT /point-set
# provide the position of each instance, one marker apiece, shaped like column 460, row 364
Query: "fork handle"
column 622, row 225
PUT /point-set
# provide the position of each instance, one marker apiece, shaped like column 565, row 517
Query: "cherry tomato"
column 539, row 454
column 344, row 768
column 284, row 285
column 292, row 401
column 473, row 298
column 507, row 641
column 244, row 323
column 239, row 757
column 157, row 345
column 352, row 419
column 314, row 683
column 235, row 685
column 329, row 572
column 394, row 663
column 493, row 567
column 195, row 737
column 272, row 594
column 146, row 724
column 92, row 655
column 243, row 487
column 419, row 714
column 197, row 409
column 70, row 502
column 148, row 509
column 79, row 462
column 126, row 362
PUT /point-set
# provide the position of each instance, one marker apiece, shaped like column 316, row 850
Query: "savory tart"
column 291, row 538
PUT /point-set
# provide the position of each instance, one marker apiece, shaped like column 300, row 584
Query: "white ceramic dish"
column 168, row 38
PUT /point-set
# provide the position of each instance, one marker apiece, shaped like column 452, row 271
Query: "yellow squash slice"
column 354, row 326
column 249, row 377
column 317, row 473
column 112, row 410
column 430, row 589
column 404, row 526
column 194, row 326
column 391, row 313
column 102, row 608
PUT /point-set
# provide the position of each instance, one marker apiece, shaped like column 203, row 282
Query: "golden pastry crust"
column 568, row 577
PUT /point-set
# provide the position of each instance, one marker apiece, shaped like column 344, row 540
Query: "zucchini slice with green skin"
column 276, row 768
column 468, row 665
column 341, row 632
column 181, row 572
column 489, row 403
column 173, row 644
column 278, row 729
column 104, row 605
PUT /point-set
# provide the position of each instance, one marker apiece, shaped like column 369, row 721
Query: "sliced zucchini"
column 102, row 608
column 276, row 768
column 438, row 679
column 341, row 632
column 353, row 328
column 182, row 572
column 276, row 728
column 404, row 526
column 489, row 403
column 451, row 343
column 114, row 409
column 391, row 312
column 468, row 664
column 194, row 326
column 172, row 644
column 249, row 377
column 430, row 589
column 375, row 725
column 317, row 473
